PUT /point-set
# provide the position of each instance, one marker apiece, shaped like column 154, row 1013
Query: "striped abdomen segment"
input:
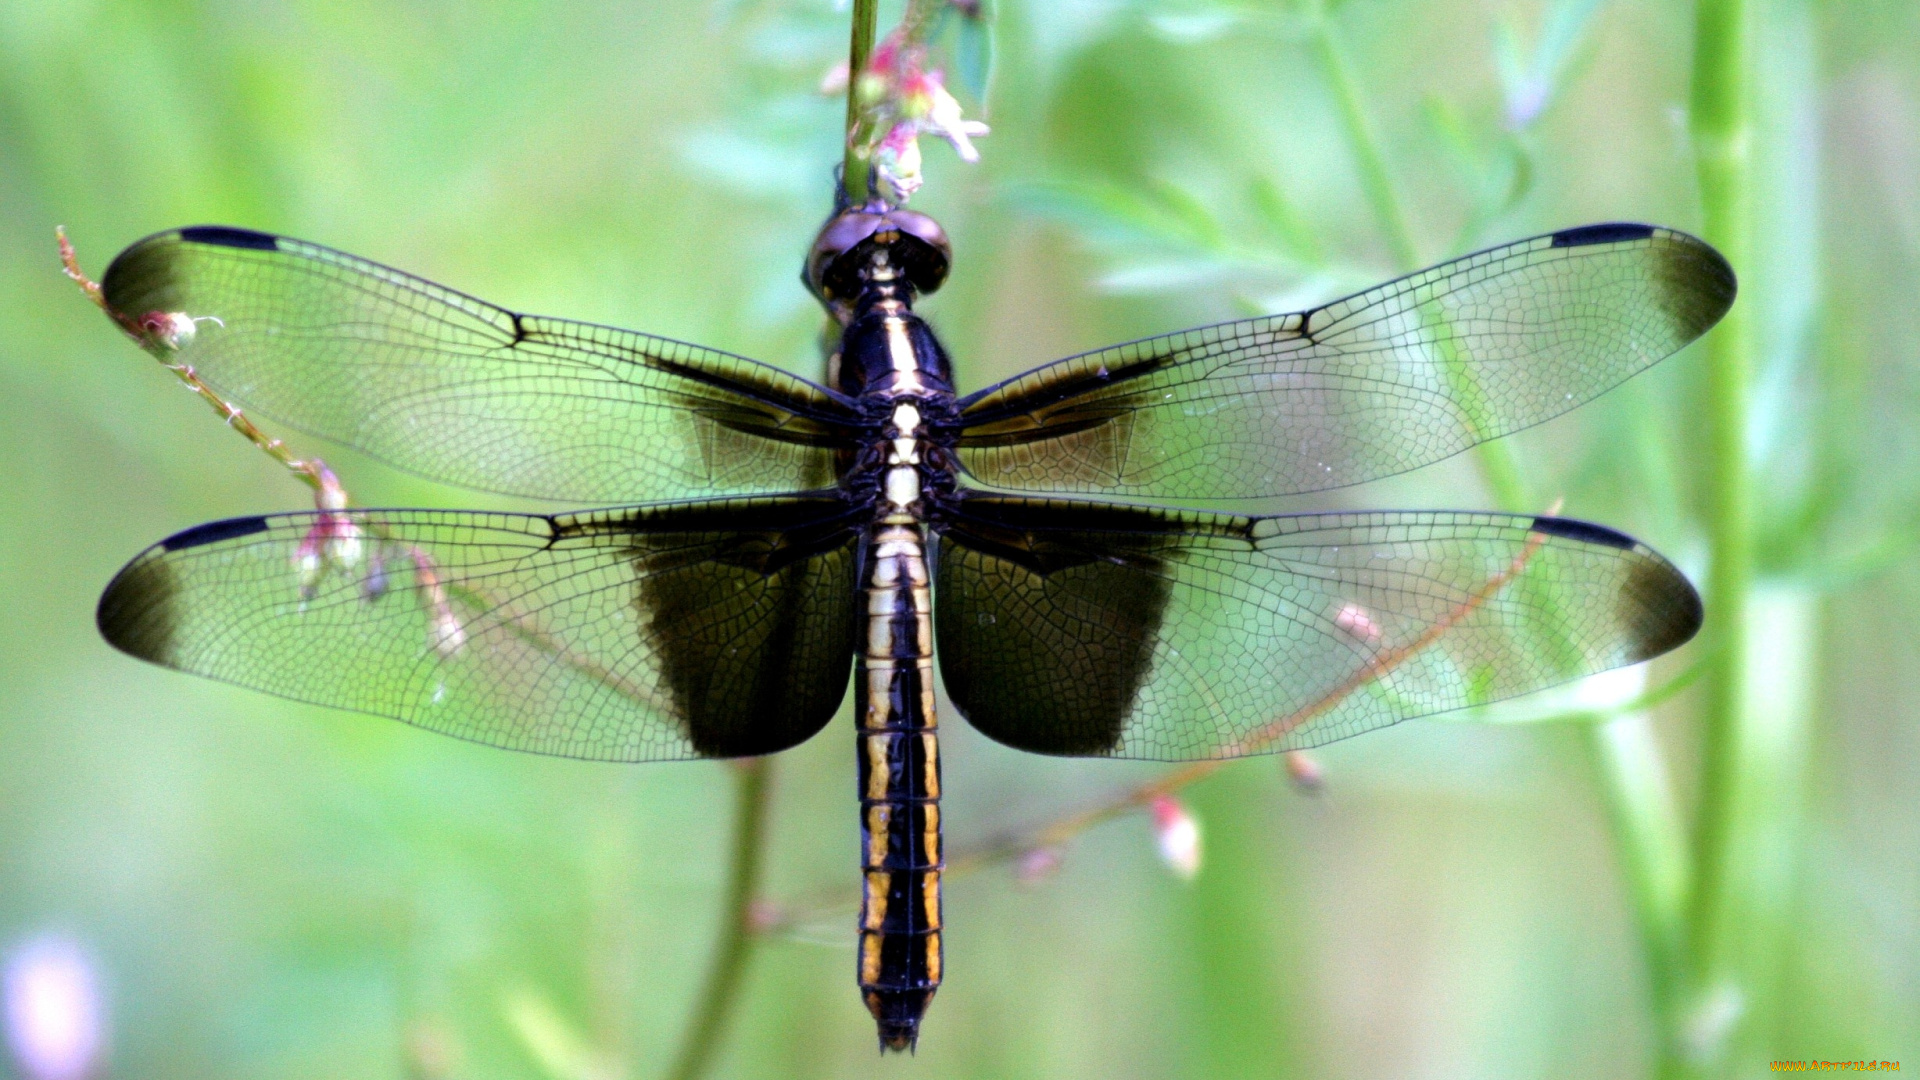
column 899, row 959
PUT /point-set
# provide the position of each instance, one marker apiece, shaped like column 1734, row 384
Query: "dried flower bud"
column 1304, row 770
column 1177, row 832
column 374, row 583
column 444, row 632
column 765, row 916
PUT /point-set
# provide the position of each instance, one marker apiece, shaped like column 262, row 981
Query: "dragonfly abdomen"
column 899, row 957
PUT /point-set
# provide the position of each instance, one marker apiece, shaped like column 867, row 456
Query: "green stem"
column 858, row 154
column 1722, row 131
column 728, row 970
column 1644, row 818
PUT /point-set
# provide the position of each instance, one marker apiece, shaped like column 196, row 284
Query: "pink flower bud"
column 834, row 82
column 333, row 542
column 1354, row 620
column 1177, row 833
column 896, row 163
column 1037, row 865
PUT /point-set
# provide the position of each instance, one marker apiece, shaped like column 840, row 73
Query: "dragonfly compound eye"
column 914, row 244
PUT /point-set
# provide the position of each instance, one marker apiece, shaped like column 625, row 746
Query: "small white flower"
column 173, row 329
column 944, row 120
column 54, row 1014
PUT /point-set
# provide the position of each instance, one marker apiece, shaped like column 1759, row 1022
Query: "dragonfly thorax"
column 888, row 351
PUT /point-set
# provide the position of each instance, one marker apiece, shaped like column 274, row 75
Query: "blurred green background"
column 266, row 890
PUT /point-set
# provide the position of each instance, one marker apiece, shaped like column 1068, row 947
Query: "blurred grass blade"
column 551, row 1040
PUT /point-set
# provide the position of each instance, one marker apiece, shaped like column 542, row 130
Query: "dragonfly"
column 767, row 541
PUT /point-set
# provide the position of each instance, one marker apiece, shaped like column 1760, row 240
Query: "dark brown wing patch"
column 1017, row 610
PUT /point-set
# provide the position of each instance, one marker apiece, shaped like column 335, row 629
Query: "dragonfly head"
column 840, row 267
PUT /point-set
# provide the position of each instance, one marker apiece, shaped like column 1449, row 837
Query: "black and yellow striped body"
column 899, row 749
column 891, row 362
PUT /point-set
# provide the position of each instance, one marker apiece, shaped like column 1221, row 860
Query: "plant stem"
column 854, row 170
column 726, row 975
column 1644, row 818
column 1722, row 131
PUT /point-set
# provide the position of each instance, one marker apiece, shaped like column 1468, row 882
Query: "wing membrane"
column 459, row 390
column 1095, row 630
column 1381, row 382
column 712, row 629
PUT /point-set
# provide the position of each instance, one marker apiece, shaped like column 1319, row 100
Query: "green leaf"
column 973, row 52
column 1284, row 222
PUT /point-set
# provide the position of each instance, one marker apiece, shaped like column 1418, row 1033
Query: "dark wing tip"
column 213, row 532
column 228, row 236
column 1583, row 531
column 143, row 277
column 136, row 613
column 1611, row 232
column 1659, row 609
column 1698, row 284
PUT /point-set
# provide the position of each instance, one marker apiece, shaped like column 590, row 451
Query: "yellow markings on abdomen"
column 930, row 896
column 877, row 766
column 930, row 779
column 874, row 911
column 930, row 839
column 879, row 831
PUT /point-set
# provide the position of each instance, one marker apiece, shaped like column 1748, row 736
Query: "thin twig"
column 1056, row 833
column 311, row 471
column 727, row 972
column 859, row 155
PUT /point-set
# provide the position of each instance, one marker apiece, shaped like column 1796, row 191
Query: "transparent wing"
column 1388, row 380
column 1097, row 630
column 449, row 387
column 697, row 630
